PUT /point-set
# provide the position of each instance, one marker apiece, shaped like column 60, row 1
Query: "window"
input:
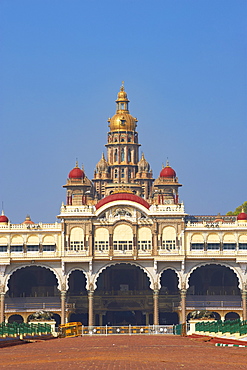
column 32, row 248
column 3, row 248
column 168, row 244
column 129, row 155
column 122, row 172
column 115, row 156
column 49, row 248
column 242, row 246
column 120, row 245
column 144, row 245
column 101, row 245
column 213, row 246
column 16, row 248
column 122, row 155
column 76, row 246
column 230, row 246
column 115, row 173
column 197, row 246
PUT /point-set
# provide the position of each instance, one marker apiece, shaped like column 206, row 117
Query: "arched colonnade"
column 119, row 284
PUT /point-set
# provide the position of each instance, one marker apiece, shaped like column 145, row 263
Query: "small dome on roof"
column 242, row 216
column 3, row 218
column 28, row 221
column 143, row 165
column 167, row 171
column 76, row 173
column 102, row 165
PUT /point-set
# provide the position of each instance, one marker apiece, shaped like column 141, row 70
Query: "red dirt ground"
column 123, row 352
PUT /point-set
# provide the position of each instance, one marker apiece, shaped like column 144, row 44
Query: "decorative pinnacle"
column 167, row 163
column 76, row 162
column 122, row 87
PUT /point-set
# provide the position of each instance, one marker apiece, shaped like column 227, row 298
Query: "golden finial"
column 76, row 162
column 167, row 162
column 122, row 87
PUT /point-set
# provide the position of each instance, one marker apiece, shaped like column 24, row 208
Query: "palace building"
column 123, row 251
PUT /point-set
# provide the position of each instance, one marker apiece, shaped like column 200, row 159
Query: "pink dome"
column 3, row 218
column 168, row 172
column 76, row 173
column 242, row 216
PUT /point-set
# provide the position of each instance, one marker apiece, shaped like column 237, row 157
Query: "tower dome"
column 122, row 120
column 168, row 172
column 102, row 165
column 76, row 173
column 143, row 165
column 3, row 219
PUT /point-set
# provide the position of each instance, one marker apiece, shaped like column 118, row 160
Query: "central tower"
column 121, row 170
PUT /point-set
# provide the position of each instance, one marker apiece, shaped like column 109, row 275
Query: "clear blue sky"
column 61, row 66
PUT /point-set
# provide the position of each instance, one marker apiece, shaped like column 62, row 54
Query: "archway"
column 33, row 281
column 123, row 296
column 33, row 288
column 16, row 318
column 169, row 298
column 232, row 316
column 77, row 297
column 213, row 286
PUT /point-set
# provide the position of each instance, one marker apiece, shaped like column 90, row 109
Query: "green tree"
column 239, row 209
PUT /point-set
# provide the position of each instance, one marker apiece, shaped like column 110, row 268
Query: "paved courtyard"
column 123, row 352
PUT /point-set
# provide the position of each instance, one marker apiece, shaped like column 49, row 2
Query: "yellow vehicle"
column 71, row 329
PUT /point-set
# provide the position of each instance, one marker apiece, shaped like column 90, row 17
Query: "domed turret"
column 3, row 219
column 28, row 221
column 122, row 120
column 168, row 172
column 143, row 165
column 242, row 216
column 76, row 173
column 102, row 165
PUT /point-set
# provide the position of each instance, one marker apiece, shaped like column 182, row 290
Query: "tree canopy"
column 239, row 209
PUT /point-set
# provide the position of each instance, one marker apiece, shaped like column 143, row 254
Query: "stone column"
column 2, row 313
column 63, row 298
column 147, row 318
column 90, row 308
column 244, row 294
column 183, row 305
column 100, row 319
column 156, row 306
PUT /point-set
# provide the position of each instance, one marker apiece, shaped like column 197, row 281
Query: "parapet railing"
column 128, row 330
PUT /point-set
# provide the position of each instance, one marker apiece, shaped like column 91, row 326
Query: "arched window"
column 242, row 243
column 144, row 239
column 213, row 242
column 122, row 172
column 115, row 156
column 115, row 173
column 16, row 244
column 129, row 155
column 122, row 238
column 3, row 244
column 76, row 239
column 33, row 243
column 197, row 242
column 169, row 238
column 122, row 155
column 101, row 239
column 49, row 244
column 229, row 242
